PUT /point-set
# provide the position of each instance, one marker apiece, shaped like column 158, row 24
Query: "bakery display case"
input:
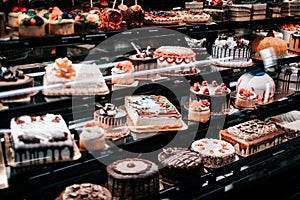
column 172, row 71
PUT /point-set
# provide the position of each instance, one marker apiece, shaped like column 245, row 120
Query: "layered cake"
column 132, row 178
column 295, row 41
column 287, row 30
column 258, row 11
column 289, row 122
column 73, row 79
column 289, row 77
column 245, row 98
column 14, row 79
column 260, row 83
column 154, row 111
column 215, row 153
column 41, row 139
column 32, row 25
column 199, row 110
column 60, row 23
column 231, row 51
column 122, row 73
column 173, row 56
column 217, row 94
column 179, row 165
column 85, row 191
column 239, row 12
column 252, row 136
column 162, row 17
column 92, row 137
column 278, row 45
column 110, row 19
column 112, row 119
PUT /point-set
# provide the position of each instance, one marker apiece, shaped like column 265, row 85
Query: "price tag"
column 269, row 57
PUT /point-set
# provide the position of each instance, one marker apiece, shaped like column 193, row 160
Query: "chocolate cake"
column 179, row 164
column 132, row 178
column 110, row 116
column 85, row 191
column 252, row 136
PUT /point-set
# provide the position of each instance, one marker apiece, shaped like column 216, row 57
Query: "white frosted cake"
column 215, row 153
column 86, row 79
column 172, row 56
column 151, row 110
column 231, row 51
column 45, row 138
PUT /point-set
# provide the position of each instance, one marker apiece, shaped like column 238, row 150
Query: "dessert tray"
column 10, row 154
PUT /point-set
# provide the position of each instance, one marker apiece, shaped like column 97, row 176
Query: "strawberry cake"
column 215, row 153
column 245, row 98
column 199, row 110
column 122, row 73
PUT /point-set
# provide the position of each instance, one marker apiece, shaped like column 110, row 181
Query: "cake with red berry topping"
column 218, row 95
column 122, row 73
column 252, row 136
column 199, row 110
column 132, row 178
column 155, row 111
column 215, row 153
column 260, row 83
column 245, row 98
column 13, row 16
column 173, row 56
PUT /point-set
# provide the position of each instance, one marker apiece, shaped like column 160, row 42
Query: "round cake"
column 295, row 41
column 199, row 110
column 215, row 153
column 172, row 56
column 85, row 191
column 13, row 79
column 179, row 164
column 217, row 94
column 112, row 120
column 132, row 178
column 92, row 137
column 292, row 69
column 231, row 51
column 162, row 17
column 194, row 16
column 279, row 46
column 122, row 73
column 260, row 83
column 245, row 98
